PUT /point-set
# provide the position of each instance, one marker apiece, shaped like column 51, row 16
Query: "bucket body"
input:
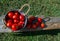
column 25, row 20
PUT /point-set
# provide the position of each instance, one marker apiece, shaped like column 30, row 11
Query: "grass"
column 38, row 7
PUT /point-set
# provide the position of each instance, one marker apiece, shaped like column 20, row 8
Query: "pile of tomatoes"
column 14, row 20
column 35, row 22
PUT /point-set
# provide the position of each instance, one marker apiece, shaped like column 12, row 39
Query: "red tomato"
column 9, row 24
column 32, row 18
column 10, row 14
column 20, row 23
column 20, row 26
column 22, row 17
column 16, row 21
column 10, row 21
column 28, row 26
column 42, row 25
column 34, row 26
column 14, row 27
column 29, row 21
column 39, row 20
column 17, row 13
column 37, row 23
column 15, row 17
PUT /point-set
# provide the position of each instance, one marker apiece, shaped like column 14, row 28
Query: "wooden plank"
column 53, row 23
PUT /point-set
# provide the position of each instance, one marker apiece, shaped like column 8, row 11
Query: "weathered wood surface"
column 53, row 23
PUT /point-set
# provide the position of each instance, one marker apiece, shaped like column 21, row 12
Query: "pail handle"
column 23, row 7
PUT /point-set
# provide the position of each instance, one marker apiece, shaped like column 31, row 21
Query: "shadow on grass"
column 42, row 32
column 34, row 33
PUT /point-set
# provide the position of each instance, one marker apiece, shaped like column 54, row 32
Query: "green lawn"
column 38, row 7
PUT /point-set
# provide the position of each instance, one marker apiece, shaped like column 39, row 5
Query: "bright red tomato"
column 15, row 17
column 10, row 14
column 42, row 25
column 22, row 17
column 16, row 21
column 14, row 27
column 39, row 20
column 34, row 26
column 20, row 23
column 17, row 13
column 9, row 24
